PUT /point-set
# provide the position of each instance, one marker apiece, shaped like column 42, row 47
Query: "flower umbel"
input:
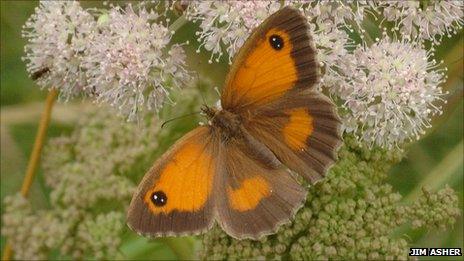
column 56, row 36
column 426, row 20
column 122, row 56
column 390, row 91
column 129, row 64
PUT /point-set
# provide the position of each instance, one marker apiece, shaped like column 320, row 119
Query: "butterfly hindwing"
column 175, row 196
column 302, row 130
column 257, row 193
column 276, row 58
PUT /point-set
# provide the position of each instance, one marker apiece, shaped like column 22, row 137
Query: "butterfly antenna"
column 202, row 96
column 179, row 117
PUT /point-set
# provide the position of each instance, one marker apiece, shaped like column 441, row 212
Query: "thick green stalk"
column 440, row 175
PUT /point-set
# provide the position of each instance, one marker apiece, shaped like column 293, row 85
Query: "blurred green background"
column 436, row 160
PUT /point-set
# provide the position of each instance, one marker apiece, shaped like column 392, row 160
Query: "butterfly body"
column 238, row 170
column 224, row 122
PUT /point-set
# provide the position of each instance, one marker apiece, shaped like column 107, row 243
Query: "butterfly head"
column 208, row 111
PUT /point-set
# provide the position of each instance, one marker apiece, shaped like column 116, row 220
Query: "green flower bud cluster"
column 96, row 160
column 89, row 174
column 101, row 235
column 351, row 214
column 92, row 175
column 34, row 234
column 433, row 209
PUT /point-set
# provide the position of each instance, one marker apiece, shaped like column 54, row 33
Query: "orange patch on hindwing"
column 267, row 73
column 249, row 194
column 186, row 181
column 298, row 128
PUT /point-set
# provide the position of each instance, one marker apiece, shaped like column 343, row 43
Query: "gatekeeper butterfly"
column 237, row 170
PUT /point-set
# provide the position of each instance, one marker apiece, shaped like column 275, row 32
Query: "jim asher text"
column 423, row 251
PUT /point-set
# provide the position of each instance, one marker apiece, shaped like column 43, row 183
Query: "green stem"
column 441, row 174
column 181, row 246
column 136, row 247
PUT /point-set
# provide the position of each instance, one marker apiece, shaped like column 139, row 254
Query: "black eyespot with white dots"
column 276, row 42
column 159, row 198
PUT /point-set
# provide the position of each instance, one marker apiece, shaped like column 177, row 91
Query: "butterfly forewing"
column 270, row 86
column 278, row 57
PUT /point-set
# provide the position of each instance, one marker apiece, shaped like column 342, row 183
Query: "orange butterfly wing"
column 276, row 58
column 175, row 196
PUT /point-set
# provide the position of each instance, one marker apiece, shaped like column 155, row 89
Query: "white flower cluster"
column 120, row 56
column 127, row 64
column 426, row 20
column 389, row 89
column 330, row 21
column 56, row 36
